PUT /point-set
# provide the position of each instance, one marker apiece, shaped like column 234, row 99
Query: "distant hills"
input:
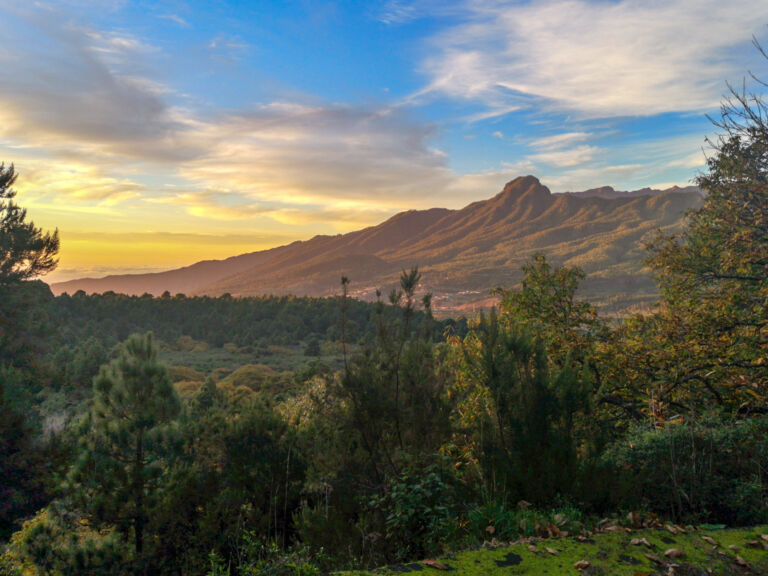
column 462, row 254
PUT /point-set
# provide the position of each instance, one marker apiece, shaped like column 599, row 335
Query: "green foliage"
column 195, row 322
column 714, row 278
column 117, row 477
column 262, row 558
column 494, row 519
column 25, row 250
column 312, row 348
column 218, row 567
column 695, row 472
column 22, row 488
column 394, row 389
column 521, row 417
column 546, row 305
column 420, row 509
column 56, row 542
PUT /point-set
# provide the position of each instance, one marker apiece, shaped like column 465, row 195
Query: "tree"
column 118, row 472
column 546, row 305
column 25, row 250
column 517, row 413
column 714, row 275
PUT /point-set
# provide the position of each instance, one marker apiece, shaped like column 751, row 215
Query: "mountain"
column 462, row 254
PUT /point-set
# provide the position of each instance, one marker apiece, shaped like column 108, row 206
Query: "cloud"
column 558, row 141
column 88, row 98
column 397, row 12
column 227, row 49
column 83, row 94
column 586, row 177
column 97, row 127
column 176, row 19
column 63, row 182
column 309, row 154
column 598, row 59
column 568, row 157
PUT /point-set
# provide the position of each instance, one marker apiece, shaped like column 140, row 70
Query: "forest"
column 211, row 436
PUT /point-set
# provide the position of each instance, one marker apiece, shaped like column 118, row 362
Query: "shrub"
column 419, row 509
column 695, row 471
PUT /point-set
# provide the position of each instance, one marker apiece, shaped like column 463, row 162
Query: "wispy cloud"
column 559, row 141
column 99, row 129
column 397, row 12
column 599, row 59
column 227, row 48
column 176, row 19
column 576, row 156
column 309, row 154
column 84, row 94
column 94, row 106
column 67, row 182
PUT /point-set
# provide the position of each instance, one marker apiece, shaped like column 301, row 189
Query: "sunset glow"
column 157, row 134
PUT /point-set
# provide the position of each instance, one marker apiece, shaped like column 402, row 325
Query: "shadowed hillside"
column 462, row 253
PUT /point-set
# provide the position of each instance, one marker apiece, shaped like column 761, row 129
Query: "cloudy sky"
column 154, row 134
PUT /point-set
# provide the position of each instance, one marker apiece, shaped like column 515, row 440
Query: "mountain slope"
column 461, row 253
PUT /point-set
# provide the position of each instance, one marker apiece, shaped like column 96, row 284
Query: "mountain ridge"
column 462, row 253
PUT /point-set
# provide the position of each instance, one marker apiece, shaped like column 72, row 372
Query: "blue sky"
column 155, row 134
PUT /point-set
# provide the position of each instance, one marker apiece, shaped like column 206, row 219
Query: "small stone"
column 581, row 565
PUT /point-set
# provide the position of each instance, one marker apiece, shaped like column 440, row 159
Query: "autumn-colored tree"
column 714, row 275
column 546, row 305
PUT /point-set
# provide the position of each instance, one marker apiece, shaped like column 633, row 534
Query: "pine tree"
column 117, row 476
column 25, row 250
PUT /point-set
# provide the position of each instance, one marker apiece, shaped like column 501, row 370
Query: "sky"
column 154, row 134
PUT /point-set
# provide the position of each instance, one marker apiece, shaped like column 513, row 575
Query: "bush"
column 420, row 512
column 269, row 559
column 495, row 519
column 695, row 472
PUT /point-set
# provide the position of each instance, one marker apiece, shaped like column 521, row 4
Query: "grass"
column 608, row 553
column 229, row 358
